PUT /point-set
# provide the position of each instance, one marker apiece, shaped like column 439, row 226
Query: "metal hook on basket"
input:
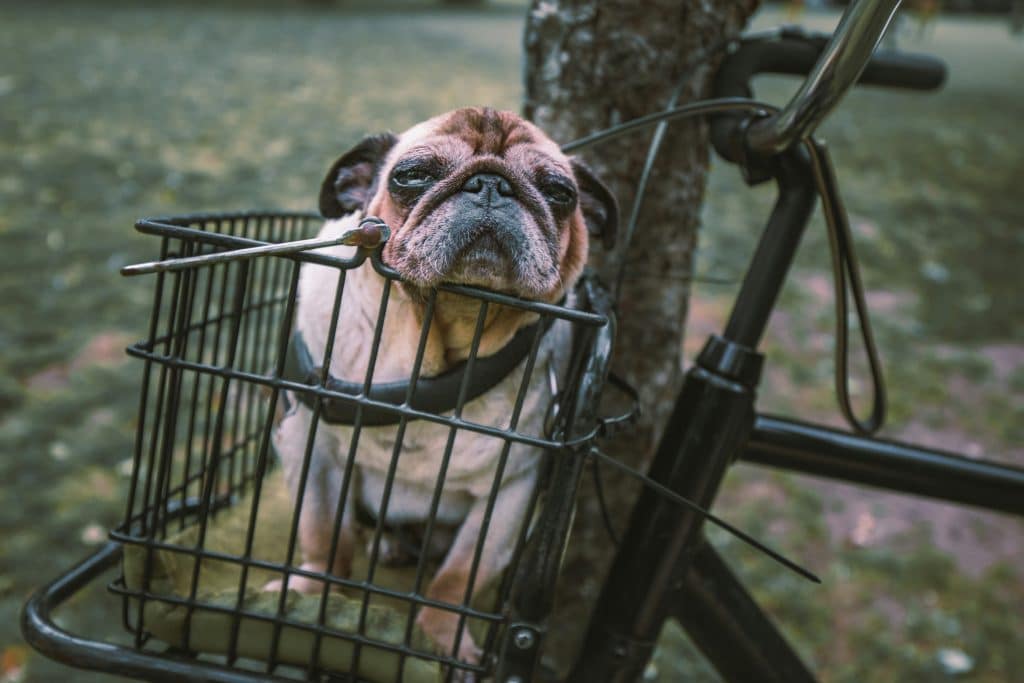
column 554, row 410
column 371, row 233
column 613, row 424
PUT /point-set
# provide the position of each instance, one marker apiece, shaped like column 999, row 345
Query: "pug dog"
column 477, row 197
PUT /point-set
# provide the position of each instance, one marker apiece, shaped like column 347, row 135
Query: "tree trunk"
column 589, row 65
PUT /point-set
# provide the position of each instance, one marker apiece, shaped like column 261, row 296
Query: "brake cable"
column 671, row 113
column 665, row 491
column 552, row 429
column 662, row 119
column 845, row 271
column 844, row 262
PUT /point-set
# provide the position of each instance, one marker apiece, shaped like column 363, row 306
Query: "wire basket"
column 212, row 536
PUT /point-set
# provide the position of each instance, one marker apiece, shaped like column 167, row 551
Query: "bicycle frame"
column 665, row 567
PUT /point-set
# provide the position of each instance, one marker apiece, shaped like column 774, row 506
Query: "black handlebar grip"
column 893, row 69
column 794, row 52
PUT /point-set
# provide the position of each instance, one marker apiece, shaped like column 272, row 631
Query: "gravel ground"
column 110, row 111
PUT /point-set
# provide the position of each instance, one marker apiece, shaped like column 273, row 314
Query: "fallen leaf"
column 106, row 348
column 12, row 664
column 93, row 534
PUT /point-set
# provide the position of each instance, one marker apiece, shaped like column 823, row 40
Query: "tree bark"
column 588, row 65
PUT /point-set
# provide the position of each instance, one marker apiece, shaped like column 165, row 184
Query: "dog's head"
column 476, row 196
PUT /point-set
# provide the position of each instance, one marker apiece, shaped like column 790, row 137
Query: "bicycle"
column 663, row 568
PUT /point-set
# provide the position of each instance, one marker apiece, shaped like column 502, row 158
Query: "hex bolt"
column 524, row 639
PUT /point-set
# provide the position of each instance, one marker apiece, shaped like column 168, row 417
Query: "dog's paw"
column 441, row 627
column 298, row 582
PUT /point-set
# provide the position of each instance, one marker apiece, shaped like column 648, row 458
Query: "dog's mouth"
column 501, row 248
column 485, row 260
column 486, row 248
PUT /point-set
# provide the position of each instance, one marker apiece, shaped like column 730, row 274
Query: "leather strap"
column 436, row 395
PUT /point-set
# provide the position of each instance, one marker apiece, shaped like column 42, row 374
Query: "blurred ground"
column 109, row 112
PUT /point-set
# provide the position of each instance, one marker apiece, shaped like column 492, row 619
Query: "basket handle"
column 371, row 233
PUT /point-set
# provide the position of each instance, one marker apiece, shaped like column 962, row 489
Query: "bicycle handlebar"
column 833, row 66
column 793, row 51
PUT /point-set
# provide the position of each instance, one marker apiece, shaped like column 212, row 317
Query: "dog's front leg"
column 451, row 583
column 320, row 496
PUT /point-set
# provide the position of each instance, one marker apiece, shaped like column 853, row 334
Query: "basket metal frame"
column 200, row 401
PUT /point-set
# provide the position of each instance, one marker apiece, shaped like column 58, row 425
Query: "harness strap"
column 437, row 395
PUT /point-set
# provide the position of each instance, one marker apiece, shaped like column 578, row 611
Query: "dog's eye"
column 412, row 177
column 559, row 193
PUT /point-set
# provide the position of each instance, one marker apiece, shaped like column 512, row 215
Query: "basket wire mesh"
column 214, row 388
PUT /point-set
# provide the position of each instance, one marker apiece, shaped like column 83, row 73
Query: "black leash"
column 845, row 270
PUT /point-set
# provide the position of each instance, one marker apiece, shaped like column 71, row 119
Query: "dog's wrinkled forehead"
column 480, row 131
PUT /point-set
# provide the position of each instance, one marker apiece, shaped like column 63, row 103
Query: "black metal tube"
column 794, row 52
column 709, row 424
column 775, row 251
column 820, row 451
column 729, row 628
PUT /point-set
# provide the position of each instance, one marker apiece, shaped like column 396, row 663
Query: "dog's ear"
column 348, row 184
column 600, row 210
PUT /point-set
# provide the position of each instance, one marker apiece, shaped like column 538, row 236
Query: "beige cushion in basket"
column 210, row 631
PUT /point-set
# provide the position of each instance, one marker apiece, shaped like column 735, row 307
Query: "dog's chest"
column 421, row 449
column 418, row 451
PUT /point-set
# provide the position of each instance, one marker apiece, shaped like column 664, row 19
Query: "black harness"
column 437, row 395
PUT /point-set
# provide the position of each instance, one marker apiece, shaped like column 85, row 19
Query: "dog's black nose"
column 489, row 185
